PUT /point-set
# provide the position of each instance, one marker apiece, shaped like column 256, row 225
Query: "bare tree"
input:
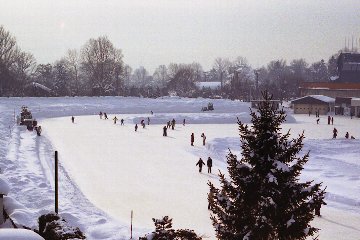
column 161, row 75
column 102, row 64
column 73, row 61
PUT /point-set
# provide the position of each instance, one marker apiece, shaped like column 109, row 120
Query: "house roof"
column 330, row 85
column 320, row 99
column 211, row 85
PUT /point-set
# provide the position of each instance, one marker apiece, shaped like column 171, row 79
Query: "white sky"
column 154, row 32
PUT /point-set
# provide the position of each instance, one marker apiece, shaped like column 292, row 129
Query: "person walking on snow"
column 173, row 124
column 329, row 119
column 136, row 127
column 209, row 164
column 122, row 122
column 105, row 116
column 332, row 120
column 200, row 163
column 204, row 138
column 148, row 121
column 165, row 131
column 317, row 121
column 347, row 135
column 100, row 114
column 115, row 119
column 72, row 119
column 192, row 138
column 142, row 123
column 335, row 133
column 210, row 198
column 184, row 122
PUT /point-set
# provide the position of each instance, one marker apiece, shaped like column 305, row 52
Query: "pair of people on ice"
column 200, row 163
column 192, row 139
column 330, row 120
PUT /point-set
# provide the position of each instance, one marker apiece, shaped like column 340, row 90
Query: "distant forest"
column 98, row 69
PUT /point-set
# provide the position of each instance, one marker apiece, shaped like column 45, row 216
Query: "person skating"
column 136, row 127
column 317, row 121
column 200, row 163
column 318, row 204
column 204, row 138
column 209, row 164
column 168, row 124
column 192, row 139
column 142, row 123
column 184, row 122
column 105, row 116
column 148, row 121
column 122, row 121
column 332, row 120
column 151, row 112
column 347, row 135
column 335, row 133
column 210, row 198
column 115, row 119
column 329, row 120
column 72, row 119
column 165, row 131
column 173, row 124
column 100, row 114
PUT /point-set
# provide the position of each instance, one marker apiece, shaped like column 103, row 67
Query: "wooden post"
column 56, row 184
column 131, row 224
column 2, row 219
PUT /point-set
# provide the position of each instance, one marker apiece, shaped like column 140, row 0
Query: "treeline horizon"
column 98, row 69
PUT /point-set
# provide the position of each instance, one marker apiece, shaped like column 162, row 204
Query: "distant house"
column 211, row 85
column 313, row 103
column 342, row 105
column 355, row 106
column 275, row 104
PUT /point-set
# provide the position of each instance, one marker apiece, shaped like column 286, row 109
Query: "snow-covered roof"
column 318, row 97
column 4, row 186
column 211, row 85
column 38, row 85
column 18, row 234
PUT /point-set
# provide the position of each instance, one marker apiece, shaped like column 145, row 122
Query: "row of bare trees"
column 98, row 69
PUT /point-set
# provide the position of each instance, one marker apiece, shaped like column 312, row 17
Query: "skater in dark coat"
column 165, row 131
column 332, row 120
column 122, row 121
column 184, row 122
column 115, row 119
column 173, row 124
column 329, row 120
column 142, row 123
column 136, row 127
column 72, row 119
column 318, row 204
column 200, row 163
column 335, row 133
column 317, row 121
column 209, row 164
column 204, row 138
column 100, row 114
column 105, row 116
column 347, row 135
column 192, row 138
column 148, row 121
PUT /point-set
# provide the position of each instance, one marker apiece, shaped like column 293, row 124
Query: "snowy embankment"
column 119, row 170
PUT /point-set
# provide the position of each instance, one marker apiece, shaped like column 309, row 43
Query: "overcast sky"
column 154, row 32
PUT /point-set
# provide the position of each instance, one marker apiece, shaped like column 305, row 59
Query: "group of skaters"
column 200, row 163
column 347, row 135
column 329, row 118
column 192, row 139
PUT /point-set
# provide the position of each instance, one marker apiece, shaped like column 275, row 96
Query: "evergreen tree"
column 164, row 231
column 263, row 199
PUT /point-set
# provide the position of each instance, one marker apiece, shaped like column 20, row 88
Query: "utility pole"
column 56, row 184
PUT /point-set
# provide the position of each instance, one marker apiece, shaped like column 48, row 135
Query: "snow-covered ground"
column 119, row 170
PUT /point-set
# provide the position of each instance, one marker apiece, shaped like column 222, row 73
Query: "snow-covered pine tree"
column 264, row 199
column 164, row 231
